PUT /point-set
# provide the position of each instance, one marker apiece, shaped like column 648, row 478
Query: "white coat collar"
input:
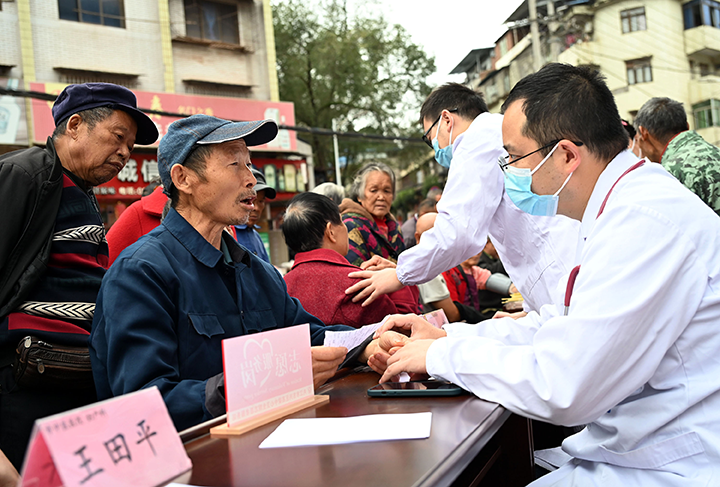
column 478, row 121
column 608, row 177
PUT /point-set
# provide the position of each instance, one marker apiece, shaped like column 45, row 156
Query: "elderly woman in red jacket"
column 312, row 227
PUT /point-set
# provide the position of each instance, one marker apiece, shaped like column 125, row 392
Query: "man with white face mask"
column 467, row 139
column 633, row 353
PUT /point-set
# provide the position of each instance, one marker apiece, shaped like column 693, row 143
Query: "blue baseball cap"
column 182, row 136
column 76, row 98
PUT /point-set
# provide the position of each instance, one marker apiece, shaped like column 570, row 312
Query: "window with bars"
column 639, row 71
column 78, row 76
column 633, row 20
column 101, row 12
column 212, row 21
column 707, row 114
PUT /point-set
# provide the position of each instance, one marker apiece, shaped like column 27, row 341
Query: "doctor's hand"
column 377, row 263
column 410, row 358
column 325, row 361
column 373, row 285
column 413, row 325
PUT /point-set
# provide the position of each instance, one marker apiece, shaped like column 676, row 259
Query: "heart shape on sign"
column 256, row 353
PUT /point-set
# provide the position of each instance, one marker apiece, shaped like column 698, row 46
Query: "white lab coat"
column 536, row 251
column 637, row 357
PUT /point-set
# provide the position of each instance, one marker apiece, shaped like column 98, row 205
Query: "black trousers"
column 21, row 407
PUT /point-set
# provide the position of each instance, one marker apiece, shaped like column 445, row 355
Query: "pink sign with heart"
column 266, row 371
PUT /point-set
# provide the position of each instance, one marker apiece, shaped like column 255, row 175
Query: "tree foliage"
column 357, row 69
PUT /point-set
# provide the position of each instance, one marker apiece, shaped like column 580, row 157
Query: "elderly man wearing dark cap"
column 53, row 253
column 247, row 234
column 170, row 299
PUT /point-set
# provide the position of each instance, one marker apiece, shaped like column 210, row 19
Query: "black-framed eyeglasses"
column 505, row 161
column 425, row 135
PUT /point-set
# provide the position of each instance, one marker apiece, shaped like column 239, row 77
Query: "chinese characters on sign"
column 266, row 371
column 127, row 440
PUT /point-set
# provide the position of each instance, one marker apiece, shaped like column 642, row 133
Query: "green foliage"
column 406, row 199
column 357, row 69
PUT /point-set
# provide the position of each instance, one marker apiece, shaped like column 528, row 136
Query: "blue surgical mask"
column 517, row 186
column 443, row 156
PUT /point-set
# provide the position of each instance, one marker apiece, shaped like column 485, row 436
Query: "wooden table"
column 472, row 442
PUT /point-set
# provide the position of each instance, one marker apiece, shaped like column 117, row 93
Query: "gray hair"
column 333, row 191
column 358, row 185
column 91, row 117
column 662, row 117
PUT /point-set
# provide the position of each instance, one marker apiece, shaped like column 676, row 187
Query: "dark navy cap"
column 76, row 98
column 183, row 134
column 261, row 184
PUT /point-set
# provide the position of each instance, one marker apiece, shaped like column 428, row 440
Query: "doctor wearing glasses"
column 536, row 250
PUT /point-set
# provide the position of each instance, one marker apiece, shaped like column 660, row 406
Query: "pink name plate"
column 126, row 440
column 266, row 371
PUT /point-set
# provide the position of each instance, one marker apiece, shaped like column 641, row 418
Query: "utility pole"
column 535, row 35
column 552, row 27
column 337, row 154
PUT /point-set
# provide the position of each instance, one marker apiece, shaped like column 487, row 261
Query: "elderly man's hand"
column 325, row 361
column 380, row 349
column 410, row 358
column 373, row 285
column 8, row 475
column 377, row 263
column 413, row 325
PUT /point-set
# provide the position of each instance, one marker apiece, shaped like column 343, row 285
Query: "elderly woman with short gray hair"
column 372, row 229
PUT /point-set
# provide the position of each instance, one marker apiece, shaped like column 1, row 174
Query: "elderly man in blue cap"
column 53, row 254
column 170, row 299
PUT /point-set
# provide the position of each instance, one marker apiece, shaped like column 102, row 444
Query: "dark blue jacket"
column 249, row 238
column 167, row 303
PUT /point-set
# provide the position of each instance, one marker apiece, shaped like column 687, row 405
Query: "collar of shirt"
column 482, row 119
column 322, row 255
column 608, row 177
column 196, row 244
column 245, row 227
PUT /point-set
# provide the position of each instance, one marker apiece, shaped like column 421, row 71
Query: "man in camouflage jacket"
column 665, row 137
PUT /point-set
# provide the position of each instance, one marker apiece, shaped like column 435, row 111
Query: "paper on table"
column 356, row 429
column 350, row 339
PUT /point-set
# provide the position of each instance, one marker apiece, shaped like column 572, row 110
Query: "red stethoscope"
column 576, row 269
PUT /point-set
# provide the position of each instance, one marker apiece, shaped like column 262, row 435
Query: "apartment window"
column 639, row 71
column 707, row 114
column 101, row 12
column 701, row 12
column 212, row 21
column 633, row 20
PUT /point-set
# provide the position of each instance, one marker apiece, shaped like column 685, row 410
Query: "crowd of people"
column 608, row 230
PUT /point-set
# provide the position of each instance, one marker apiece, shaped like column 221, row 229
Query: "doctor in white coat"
column 637, row 356
column 536, row 251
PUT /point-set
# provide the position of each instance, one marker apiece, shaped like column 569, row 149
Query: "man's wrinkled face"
column 100, row 152
column 226, row 195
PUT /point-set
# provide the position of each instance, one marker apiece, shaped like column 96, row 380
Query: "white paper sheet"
column 355, row 429
column 352, row 338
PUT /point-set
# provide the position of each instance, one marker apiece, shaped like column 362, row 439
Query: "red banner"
column 228, row 108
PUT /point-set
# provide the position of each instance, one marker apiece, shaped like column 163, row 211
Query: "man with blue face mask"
column 633, row 353
column 467, row 139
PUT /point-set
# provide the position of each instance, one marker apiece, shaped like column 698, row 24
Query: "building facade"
column 644, row 48
column 178, row 56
